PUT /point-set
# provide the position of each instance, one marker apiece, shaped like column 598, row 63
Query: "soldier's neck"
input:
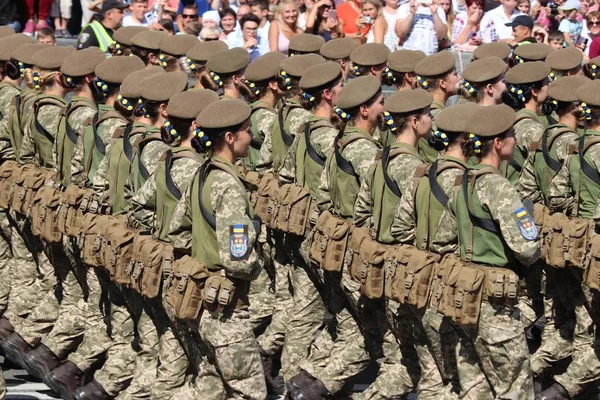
column 531, row 105
column 491, row 159
column 270, row 99
column 85, row 92
column 15, row 82
column 408, row 136
column 455, row 151
column 569, row 120
column 365, row 125
column 55, row 90
column 323, row 110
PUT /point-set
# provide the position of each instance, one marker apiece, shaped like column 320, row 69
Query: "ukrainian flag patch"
column 238, row 241
column 521, row 212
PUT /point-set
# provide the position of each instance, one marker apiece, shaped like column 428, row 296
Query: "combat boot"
column 15, row 349
column 273, row 386
column 6, row 328
column 40, row 361
column 65, row 379
column 306, row 387
column 91, row 391
column 554, row 392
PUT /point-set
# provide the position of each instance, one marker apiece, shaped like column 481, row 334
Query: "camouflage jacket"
column 8, row 91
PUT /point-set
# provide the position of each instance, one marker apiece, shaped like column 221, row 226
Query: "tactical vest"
column 474, row 222
column 344, row 182
column 167, row 192
column 119, row 160
column 17, row 117
column 584, row 176
column 385, row 192
column 139, row 173
column 67, row 138
column 430, row 201
column 512, row 168
column 309, row 163
column 281, row 137
column 257, row 136
column 42, row 138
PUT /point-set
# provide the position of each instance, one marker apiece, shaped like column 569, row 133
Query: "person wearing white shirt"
column 260, row 8
column 250, row 40
column 500, row 16
column 420, row 26
column 138, row 14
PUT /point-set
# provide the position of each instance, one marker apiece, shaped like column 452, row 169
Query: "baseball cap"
column 571, row 5
column 110, row 4
column 521, row 20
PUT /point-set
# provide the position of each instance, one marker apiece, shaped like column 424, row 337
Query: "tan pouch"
column 92, row 238
column 149, row 256
column 502, row 285
column 262, row 198
column 541, row 213
column 365, row 259
column 292, row 210
column 44, row 214
column 8, row 171
column 70, row 204
column 118, row 252
column 440, row 277
column 330, row 241
column 592, row 273
column 577, row 234
column 26, row 184
column 554, row 238
column 463, row 294
column 184, row 288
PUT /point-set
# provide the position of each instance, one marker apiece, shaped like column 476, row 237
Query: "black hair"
column 263, row 4
column 467, row 145
column 255, row 92
column 309, row 103
column 516, row 101
column 225, row 12
column 479, row 87
column 340, row 123
column 249, row 17
column 149, row 109
column 181, row 126
column 214, row 137
column 395, row 79
column 12, row 70
column 167, row 24
column 209, row 82
column 143, row 54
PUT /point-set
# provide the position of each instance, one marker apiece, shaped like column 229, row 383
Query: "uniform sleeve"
column 287, row 172
column 229, row 203
column 516, row 224
column 404, row 223
column 180, row 229
column 100, row 181
column 361, row 153
column 323, row 196
column 86, row 38
column 144, row 204
column 265, row 121
column 27, row 153
column 560, row 192
column 363, row 207
column 594, row 153
column 528, row 186
column 77, row 161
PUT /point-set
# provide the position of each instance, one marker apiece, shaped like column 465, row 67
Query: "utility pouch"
column 502, row 286
column 578, row 233
column 9, row 170
column 330, row 242
column 463, row 294
column 70, row 203
column 31, row 180
column 149, row 257
column 263, row 197
column 184, row 288
column 440, row 277
column 118, row 251
column 366, row 263
column 92, row 239
column 44, row 214
column 592, row 273
column 292, row 209
column 554, row 238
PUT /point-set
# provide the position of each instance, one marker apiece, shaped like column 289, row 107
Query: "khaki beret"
column 533, row 51
column 491, row 121
column 406, row 101
column 496, row 49
column 224, row 113
column 150, row 40
column 161, row 87
column 370, row 54
column 404, row 61
column 53, row 57
column 565, row 88
column 595, row 61
column 590, row 93
column 9, row 44
column 132, row 84
column 228, row 62
column 358, row 91
column 124, row 34
column 189, row 104
column 264, row 67
column 529, row 72
column 82, row 62
column 320, row 75
column 565, row 59
column 296, row 66
column 203, row 51
column 115, row 69
column 25, row 53
column 338, row 49
column 6, row 31
column 306, row 43
column 455, row 118
column 436, row 64
column 178, row 45
column 484, row 70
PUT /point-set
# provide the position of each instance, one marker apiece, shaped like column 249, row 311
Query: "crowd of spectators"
column 261, row 26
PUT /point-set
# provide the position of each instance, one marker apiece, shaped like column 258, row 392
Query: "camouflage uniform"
column 228, row 335
column 526, row 130
column 2, row 386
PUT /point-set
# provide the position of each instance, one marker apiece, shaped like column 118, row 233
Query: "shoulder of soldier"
column 495, row 186
column 225, row 184
column 360, row 146
column 265, row 113
column 528, row 124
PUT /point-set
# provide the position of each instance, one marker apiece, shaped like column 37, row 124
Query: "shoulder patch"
column 526, row 225
column 238, row 241
column 83, row 37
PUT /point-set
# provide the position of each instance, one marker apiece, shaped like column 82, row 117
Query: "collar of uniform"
column 413, row 149
column 453, row 159
column 48, row 96
column 148, row 127
column 526, row 111
column 437, row 105
column 257, row 102
column 481, row 166
column 591, row 132
column 104, row 107
column 82, row 99
column 6, row 83
column 316, row 119
column 351, row 129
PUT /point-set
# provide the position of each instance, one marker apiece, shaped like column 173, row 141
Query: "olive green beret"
column 306, row 43
column 224, row 113
column 404, row 61
column 320, row 75
column 189, row 104
column 565, row 88
column 495, row 49
column 150, row 40
column 595, row 61
column 53, row 57
column 530, row 72
column 115, row 69
column 565, row 59
column 590, row 93
column 455, row 118
column 491, row 121
column 124, row 34
column 484, row 70
column 296, row 66
column 9, row 44
column 132, row 84
column 178, row 45
column 95, row 50
column 203, row 51
column 228, row 62
column 338, row 49
column 436, row 64
column 25, row 53
column 406, row 101
column 82, row 62
column 370, row 54
column 533, row 51
column 264, row 67
column 6, row 31
column 161, row 87
column 358, row 91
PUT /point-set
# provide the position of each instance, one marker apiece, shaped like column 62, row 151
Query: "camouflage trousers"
column 5, row 260
column 500, row 345
column 2, row 386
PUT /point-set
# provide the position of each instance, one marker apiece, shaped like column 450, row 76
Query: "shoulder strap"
column 98, row 142
column 390, row 183
column 71, row 134
column 18, row 100
column 38, row 126
column 483, row 223
column 140, row 148
column 340, row 145
column 547, row 142
column 525, row 115
column 587, row 169
column 127, row 147
column 108, row 114
column 171, row 186
column 287, row 139
column 435, row 187
column 312, row 153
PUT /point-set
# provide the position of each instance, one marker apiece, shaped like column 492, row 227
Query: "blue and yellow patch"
column 238, row 241
column 521, row 212
column 526, row 224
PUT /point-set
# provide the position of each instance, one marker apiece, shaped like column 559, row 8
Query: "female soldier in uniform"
column 224, row 72
column 484, row 81
column 198, row 55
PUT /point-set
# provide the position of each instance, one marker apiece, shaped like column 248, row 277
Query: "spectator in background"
column 61, row 12
column 539, row 33
column 166, row 24
column 391, row 14
column 211, row 19
column 260, row 8
column 522, row 28
column 99, row 32
column 571, row 26
column 208, row 34
column 46, row 36
column 189, row 13
column 193, row 28
column 446, row 5
column 467, row 27
column 304, row 8
column 159, row 6
column 284, row 26
column 251, row 41
column 499, row 17
column 86, row 13
column 43, row 11
column 201, row 6
column 371, row 25
column 347, row 13
column 320, row 21
column 228, row 20
column 591, row 29
column 556, row 40
column 137, row 16
column 524, row 7
column 9, row 14
column 421, row 26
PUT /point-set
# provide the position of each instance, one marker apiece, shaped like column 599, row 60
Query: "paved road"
column 21, row 386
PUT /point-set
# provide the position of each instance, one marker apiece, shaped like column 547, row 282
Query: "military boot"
column 91, row 391
column 65, row 379
column 40, row 361
column 6, row 328
column 306, row 387
column 15, row 349
column 554, row 392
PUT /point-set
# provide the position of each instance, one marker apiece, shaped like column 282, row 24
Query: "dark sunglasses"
column 595, row 23
column 210, row 39
column 189, row 15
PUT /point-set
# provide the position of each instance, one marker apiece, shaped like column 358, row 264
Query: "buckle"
column 499, row 285
column 409, row 280
column 224, row 295
column 458, row 299
column 211, row 294
column 513, row 286
column 182, row 284
column 93, row 206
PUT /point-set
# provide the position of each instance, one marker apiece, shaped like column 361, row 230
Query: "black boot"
column 554, row 392
column 65, row 379
column 274, row 387
column 306, row 387
column 15, row 349
column 91, row 391
column 40, row 361
column 6, row 328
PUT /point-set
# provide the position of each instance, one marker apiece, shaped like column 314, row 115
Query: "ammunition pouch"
column 566, row 241
column 75, row 203
column 118, row 251
column 184, row 288
column 44, row 213
column 364, row 260
column 30, row 180
column 150, row 259
column 330, row 242
column 8, row 172
column 262, row 198
column 291, row 210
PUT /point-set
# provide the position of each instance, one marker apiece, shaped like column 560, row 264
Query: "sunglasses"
column 210, row 39
column 594, row 23
column 189, row 16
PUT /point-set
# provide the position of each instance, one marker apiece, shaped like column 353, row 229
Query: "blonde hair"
column 377, row 5
column 279, row 14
